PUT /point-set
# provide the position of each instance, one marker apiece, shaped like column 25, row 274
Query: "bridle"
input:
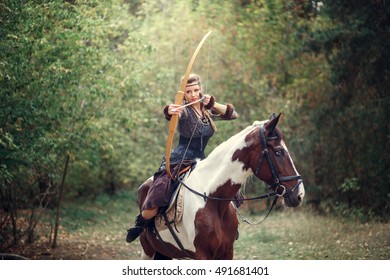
column 276, row 185
column 278, row 189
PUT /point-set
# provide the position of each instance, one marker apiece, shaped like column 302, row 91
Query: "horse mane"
column 223, row 153
column 245, row 131
column 251, row 178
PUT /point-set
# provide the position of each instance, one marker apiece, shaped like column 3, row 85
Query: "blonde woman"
column 196, row 126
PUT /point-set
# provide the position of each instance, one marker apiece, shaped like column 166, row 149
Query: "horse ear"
column 272, row 116
column 271, row 124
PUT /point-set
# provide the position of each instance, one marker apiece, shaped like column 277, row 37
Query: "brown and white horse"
column 209, row 224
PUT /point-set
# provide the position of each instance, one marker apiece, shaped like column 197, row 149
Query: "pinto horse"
column 209, row 224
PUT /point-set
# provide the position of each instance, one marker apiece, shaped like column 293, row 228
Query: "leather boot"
column 137, row 229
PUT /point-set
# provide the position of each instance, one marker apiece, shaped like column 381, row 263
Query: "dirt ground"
column 67, row 249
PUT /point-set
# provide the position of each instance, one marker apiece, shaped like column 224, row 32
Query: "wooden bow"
column 179, row 100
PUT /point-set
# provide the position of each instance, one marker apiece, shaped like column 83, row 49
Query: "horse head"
column 275, row 165
column 267, row 156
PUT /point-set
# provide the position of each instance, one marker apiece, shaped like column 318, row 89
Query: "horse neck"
column 219, row 173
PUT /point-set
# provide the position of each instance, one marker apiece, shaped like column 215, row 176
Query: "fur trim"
column 210, row 104
column 167, row 116
column 229, row 112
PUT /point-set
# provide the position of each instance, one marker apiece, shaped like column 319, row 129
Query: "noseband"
column 277, row 187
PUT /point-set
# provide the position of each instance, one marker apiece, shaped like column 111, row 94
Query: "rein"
column 206, row 197
column 267, row 195
column 278, row 189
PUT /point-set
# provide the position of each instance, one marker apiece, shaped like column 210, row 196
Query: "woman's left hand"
column 206, row 99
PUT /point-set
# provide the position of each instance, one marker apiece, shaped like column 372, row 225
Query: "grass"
column 101, row 225
column 296, row 234
column 97, row 229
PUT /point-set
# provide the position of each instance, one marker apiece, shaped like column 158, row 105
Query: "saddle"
column 173, row 213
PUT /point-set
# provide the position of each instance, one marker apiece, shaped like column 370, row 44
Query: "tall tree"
column 352, row 141
column 69, row 74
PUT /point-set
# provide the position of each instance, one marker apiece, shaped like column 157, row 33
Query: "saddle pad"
column 175, row 209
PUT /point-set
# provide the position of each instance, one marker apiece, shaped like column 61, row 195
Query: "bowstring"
column 208, row 65
column 206, row 88
column 188, row 145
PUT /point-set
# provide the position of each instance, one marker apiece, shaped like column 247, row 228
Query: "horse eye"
column 279, row 153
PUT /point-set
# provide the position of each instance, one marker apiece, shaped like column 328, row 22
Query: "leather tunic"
column 195, row 133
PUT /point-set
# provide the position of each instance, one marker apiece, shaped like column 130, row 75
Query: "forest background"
column 83, row 84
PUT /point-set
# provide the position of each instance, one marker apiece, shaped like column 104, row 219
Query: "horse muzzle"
column 293, row 197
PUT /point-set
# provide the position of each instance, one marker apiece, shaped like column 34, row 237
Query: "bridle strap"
column 268, row 157
column 265, row 154
column 206, row 197
column 289, row 178
column 266, row 216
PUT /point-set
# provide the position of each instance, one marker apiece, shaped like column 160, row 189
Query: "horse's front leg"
column 213, row 245
column 220, row 254
column 215, row 234
column 200, row 256
column 228, row 255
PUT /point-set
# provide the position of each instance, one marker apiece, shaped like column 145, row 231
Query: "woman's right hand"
column 174, row 109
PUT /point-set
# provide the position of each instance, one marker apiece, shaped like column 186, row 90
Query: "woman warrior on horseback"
column 196, row 126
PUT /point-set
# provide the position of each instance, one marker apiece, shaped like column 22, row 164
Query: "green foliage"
column 71, row 87
column 349, row 184
column 354, row 113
